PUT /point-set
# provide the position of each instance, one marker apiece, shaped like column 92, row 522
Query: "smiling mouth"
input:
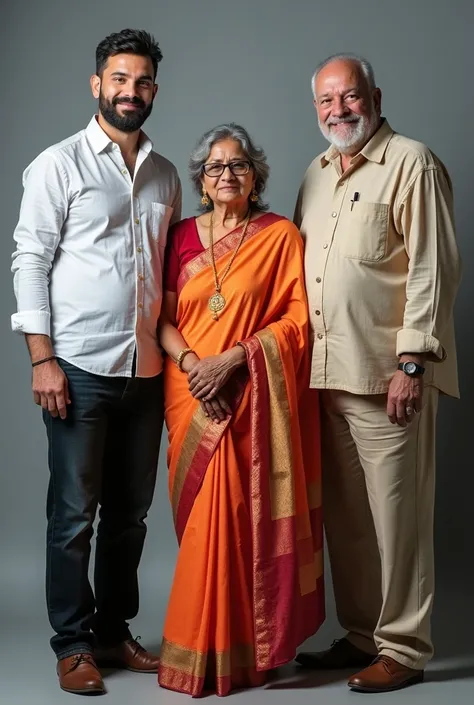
column 343, row 124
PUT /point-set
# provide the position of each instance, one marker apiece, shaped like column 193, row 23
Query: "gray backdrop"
column 249, row 61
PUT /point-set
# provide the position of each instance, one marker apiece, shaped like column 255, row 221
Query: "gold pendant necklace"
column 217, row 302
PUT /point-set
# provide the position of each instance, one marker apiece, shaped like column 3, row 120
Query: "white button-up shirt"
column 90, row 251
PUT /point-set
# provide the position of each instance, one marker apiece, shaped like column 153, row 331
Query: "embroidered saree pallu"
column 245, row 493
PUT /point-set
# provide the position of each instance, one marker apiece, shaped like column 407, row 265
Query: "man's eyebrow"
column 141, row 78
column 354, row 89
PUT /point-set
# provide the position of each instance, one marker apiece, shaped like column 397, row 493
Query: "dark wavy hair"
column 128, row 41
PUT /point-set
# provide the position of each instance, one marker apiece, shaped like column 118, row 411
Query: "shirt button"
column 137, row 221
column 139, row 249
column 140, row 305
column 318, row 280
column 318, row 313
column 325, row 246
column 141, row 277
column 334, row 214
column 320, row 336
column 124, row 172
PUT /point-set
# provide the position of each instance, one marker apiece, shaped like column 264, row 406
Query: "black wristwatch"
column 412, row 369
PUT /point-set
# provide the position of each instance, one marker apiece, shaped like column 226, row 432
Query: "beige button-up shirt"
column 382, row 265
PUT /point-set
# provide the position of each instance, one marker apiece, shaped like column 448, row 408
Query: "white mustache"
column 342, row 121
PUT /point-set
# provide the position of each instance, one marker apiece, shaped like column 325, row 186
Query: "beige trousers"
column 378, row 498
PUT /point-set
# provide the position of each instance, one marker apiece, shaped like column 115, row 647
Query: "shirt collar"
column 100, row 140
column 373, row 151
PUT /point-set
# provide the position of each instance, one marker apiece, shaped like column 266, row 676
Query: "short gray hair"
column 365, row 67
column 255, row 155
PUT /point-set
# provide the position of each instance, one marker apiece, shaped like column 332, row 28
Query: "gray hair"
column 255, row 155
column 364, row 65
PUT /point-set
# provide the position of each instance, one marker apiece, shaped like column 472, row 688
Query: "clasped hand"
column 207, row 381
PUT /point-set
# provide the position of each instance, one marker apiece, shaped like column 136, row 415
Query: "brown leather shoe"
column 128, row 654
column 383, row 675
column 342, row 654
column 79, row 674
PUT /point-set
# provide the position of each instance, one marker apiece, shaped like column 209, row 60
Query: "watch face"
column 410, row 368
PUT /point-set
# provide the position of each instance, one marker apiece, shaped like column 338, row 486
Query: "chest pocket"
column 365, row 231
column 160, row 220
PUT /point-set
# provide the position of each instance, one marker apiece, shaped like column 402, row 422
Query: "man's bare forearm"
column 39, row 346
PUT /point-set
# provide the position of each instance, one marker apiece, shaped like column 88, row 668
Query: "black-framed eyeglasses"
column 238, row 167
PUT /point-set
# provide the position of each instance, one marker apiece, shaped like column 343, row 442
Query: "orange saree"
column 246, row 499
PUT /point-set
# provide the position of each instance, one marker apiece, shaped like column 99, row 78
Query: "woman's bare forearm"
column 173, row 342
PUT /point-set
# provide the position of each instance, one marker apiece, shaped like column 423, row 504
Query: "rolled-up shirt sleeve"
column 43, row 211
column 427, row 223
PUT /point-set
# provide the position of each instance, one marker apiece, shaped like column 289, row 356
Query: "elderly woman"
column 244, row 472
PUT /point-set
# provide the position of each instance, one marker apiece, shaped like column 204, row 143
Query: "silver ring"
column 409, row 410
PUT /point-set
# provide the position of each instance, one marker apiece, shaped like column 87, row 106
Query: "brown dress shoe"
column 79, row 674
column 383, row 675
column 128, row 654
column 342, row 654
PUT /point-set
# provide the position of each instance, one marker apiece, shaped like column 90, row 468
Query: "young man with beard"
column 382, row 270
column 87, row 274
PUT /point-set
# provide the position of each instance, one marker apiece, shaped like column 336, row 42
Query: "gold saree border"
column 281, row 460
column 196, row 452
column 187, row 670
column 222, row 247
column 260, row 514
column 286, row 599
column 194, row 662
column 290, row 529
column 200, row 443
column 194, row 436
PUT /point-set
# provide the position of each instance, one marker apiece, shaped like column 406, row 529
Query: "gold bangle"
column 181, row 355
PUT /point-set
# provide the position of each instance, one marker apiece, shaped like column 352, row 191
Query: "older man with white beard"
column 382, row 271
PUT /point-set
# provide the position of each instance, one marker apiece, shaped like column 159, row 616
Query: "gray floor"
column 27, row 664
column 27, row 676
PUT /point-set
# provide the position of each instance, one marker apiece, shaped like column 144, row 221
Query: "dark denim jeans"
column 105, row 452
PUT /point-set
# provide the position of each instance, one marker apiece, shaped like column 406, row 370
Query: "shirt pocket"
column 160, row 220
column 366, row 231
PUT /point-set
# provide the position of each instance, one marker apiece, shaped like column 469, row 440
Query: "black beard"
column 129, row 122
